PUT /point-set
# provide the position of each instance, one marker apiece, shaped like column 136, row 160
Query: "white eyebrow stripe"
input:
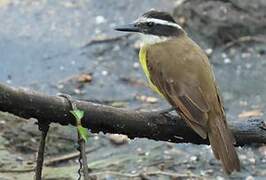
column 160, row 21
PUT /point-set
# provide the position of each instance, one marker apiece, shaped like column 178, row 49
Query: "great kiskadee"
column 178, row 69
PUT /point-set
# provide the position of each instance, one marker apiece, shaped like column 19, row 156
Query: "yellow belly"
column 143, row 62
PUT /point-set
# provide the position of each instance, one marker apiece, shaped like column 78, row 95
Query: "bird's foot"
column 166, row 112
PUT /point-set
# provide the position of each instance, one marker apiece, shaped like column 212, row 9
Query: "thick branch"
column 152, row 125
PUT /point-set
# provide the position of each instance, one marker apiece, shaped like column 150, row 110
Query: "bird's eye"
column 150, row 24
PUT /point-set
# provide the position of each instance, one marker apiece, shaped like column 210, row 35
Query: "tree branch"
column 152, row 125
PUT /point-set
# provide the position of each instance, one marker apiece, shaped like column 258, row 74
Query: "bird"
column 179, row 70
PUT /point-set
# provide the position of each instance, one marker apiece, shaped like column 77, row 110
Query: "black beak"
column 128, row 28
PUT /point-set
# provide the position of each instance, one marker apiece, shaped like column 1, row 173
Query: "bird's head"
column 156, row 23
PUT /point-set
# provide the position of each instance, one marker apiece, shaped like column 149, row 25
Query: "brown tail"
column 221, row 141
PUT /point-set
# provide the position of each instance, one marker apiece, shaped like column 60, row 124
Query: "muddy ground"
column 47, row 45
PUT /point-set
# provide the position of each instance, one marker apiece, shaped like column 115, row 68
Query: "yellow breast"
column 143, row 62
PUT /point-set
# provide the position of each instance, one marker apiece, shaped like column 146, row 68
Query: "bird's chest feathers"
column 144, row 65
column 148, row 40
column 143, row 61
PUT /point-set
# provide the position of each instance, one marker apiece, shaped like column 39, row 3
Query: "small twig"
column 115, row 173
column 83, row 159
column 140, row 174
column 173, row 175
column 17, row 170
column 44, row 128
column 258, row 38
column 67, row 157
column 106, row 40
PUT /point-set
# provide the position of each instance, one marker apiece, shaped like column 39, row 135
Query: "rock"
column 118, row 139
column 220, row 21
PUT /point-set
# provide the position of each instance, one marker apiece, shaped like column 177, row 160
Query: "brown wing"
column 179, row 77
column 189, row 101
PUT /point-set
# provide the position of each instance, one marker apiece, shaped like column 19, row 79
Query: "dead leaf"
column 79, row 78
column 252, row 113
column 84, row 78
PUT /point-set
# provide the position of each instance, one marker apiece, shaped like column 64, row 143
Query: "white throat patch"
column 148, row 39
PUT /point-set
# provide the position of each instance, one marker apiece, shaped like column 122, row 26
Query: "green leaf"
column 78, row 114
column 83, row 132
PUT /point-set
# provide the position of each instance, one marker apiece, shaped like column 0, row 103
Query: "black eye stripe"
column 162, row 30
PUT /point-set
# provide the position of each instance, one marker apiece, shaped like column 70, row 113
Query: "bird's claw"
column 166, row 112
